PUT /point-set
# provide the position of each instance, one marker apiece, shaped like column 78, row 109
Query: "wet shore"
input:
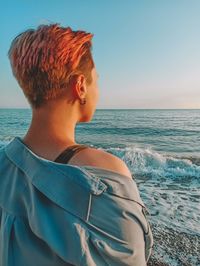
column 174, row 248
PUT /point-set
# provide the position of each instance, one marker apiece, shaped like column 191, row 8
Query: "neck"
column 50, row 131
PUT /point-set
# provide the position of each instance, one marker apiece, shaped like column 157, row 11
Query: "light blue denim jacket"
column 56, row 214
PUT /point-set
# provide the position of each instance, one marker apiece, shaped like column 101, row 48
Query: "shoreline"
column 173, row 247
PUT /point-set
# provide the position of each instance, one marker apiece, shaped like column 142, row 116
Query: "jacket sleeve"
column 118, row 230
column 0, row 216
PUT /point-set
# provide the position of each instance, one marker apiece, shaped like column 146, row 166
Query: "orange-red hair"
column 44, row 59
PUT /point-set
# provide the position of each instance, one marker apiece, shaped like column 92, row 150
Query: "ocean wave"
column 147, row 162
column 100, row 128
column 169, row 186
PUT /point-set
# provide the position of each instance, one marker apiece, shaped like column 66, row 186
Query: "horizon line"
column 117, row 108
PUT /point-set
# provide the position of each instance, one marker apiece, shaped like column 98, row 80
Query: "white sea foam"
column 170, row 189
column 169, row 186
column 147, row 162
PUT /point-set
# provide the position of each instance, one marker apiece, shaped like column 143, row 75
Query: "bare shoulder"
column 100, row 158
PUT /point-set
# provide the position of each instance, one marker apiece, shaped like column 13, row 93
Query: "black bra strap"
column 67, row 154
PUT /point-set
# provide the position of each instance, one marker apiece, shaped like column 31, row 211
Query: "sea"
column 161, row 147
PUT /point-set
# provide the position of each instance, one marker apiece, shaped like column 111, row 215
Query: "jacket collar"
column 41, row 171
column 50, row 177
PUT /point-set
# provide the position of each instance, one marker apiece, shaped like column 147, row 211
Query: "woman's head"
column 53, row 62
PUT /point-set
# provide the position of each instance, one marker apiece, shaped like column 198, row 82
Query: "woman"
column 68, row 204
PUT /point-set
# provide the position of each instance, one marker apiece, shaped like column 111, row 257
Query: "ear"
column 80, row 86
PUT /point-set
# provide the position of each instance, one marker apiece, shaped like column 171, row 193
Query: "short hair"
column 43, row 60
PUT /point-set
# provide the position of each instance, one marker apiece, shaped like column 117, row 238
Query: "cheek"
column 94, row 95
column 96, row 90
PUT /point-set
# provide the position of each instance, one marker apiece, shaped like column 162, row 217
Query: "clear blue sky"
column 147, row 53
